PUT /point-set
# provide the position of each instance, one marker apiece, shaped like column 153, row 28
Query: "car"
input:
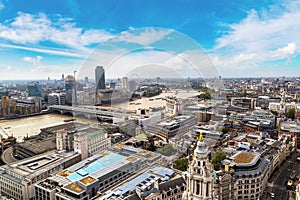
column 272, row 195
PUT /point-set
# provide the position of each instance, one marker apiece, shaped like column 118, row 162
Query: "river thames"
column 30, row 126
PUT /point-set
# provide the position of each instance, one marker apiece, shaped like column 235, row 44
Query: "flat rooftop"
column 31, row 167
column 75, row 188
column 245, row 159
column 38, row 146
column 174, row 121
column 142, row 181
column 87, row 180
column 100, row 164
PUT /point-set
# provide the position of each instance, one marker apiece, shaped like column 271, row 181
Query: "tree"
column 151, row 147
column 274, row 112
column 225, row 130
column 218, row 158
column 167, row 150
column 205, row 95
column 291, row 113
column 181, row 164
column 244, row 94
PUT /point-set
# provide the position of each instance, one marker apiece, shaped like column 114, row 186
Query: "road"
column 279, row 179
column 7, row 156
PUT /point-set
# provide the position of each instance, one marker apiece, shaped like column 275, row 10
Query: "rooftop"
column 87, row 180
column 243, row 157
column 75, row 187
column 65, row 173
column 32, row 167
column 142, row 181
column 101, row 163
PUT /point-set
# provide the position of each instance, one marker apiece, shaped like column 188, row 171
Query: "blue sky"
column 45, row 38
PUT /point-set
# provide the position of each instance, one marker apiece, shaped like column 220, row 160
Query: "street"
column 278, row 182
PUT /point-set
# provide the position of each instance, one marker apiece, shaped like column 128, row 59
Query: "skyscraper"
column 100, row 77
column 70, row 86
column 35, row 90
column 125, row 83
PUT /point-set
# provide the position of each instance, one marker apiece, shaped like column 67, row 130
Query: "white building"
column 173, row 106
column 17, row 179
column 57, row 99
column 90, row 141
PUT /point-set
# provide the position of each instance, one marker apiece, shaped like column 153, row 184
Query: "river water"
column 30, row 126
column 155, row 101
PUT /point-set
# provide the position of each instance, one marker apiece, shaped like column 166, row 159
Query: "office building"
column 91, row 177
column 157, row 183
column 173, row 106
column 124, row 83
column 90, row 141
column 170, row 127
column 35, row 90
column 57, row 99
column 70, row 87
column 100, row 78
column 17, row 179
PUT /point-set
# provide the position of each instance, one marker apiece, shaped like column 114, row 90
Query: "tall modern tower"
column 35, row 90
column 70, row 87
column 100, row 78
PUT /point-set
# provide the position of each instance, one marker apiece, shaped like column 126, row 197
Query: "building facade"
column 100, row 77
column 17, row 179
column 90, row 141
column 57, row 99
column 35, row 90
column 199, row 177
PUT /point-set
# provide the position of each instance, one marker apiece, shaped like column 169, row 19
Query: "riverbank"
column 24, row 116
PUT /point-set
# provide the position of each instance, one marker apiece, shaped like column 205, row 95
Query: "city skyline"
column 47, row 39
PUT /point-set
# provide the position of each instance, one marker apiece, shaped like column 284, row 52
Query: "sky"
column 42, row 38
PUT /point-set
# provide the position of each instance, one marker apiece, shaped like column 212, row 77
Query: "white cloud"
column 243, row 57
column 285, row 52
column 32, row 29
column 60, row 52
column 36, row 61
column 29, row 29
column 266, row 35
column 145, row 36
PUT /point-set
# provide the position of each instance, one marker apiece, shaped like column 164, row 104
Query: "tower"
column 125, row 83
column 100, row 78
column 35, row 90
column 282, row 101
column 199, row 176
column 70, row 87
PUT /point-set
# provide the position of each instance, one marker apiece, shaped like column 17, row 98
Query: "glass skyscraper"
column 100, row 78
column 35, row 90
